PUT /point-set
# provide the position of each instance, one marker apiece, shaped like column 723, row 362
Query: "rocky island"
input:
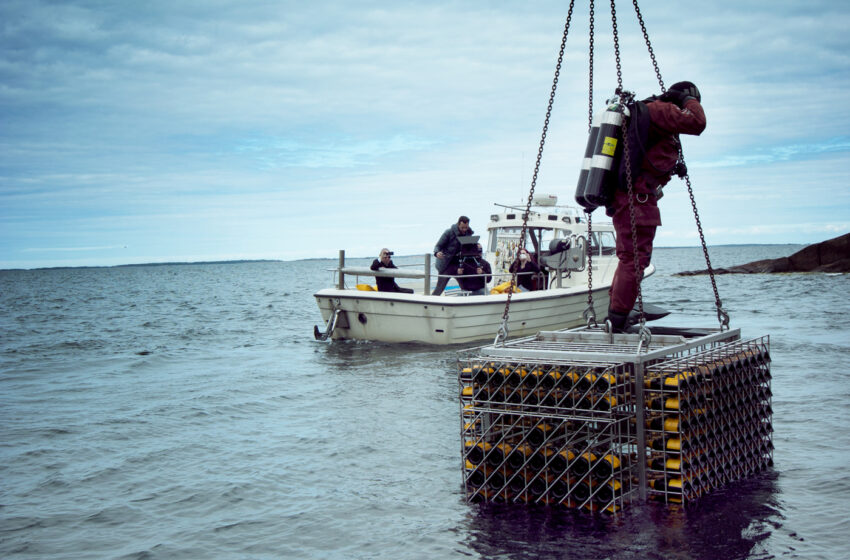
column 832, row 255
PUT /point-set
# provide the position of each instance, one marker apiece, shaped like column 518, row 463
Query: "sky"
column 197, row 130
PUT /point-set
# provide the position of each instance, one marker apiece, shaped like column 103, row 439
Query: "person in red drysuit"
column 677, row 111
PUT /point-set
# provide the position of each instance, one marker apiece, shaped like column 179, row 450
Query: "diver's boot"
column 616, row 321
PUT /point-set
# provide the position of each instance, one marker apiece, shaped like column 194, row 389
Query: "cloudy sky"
column 186, row 130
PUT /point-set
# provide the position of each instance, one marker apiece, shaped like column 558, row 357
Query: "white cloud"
column 338, row 123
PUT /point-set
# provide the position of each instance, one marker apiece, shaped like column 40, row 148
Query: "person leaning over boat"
column 677, row 111
column 387, row 283
column 477, row 266
column 527, row 270
column 447, row 250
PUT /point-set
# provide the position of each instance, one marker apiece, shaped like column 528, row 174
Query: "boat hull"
column 443, row 320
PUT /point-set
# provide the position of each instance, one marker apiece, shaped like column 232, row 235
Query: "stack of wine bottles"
column 708, row 420
column 560, row 418
column 547, row 432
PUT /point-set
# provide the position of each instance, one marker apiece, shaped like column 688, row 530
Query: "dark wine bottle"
column 583, row 463
column 606, row 466
column 539, row 434
column 475, row 451
column 498, row 453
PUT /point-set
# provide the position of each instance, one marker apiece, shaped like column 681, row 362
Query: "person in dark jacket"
column 476, row 266
column 387, row 283
column 527, row 271
column 447, row 250
column 676, row 112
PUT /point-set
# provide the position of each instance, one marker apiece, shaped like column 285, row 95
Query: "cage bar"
column 589, row 420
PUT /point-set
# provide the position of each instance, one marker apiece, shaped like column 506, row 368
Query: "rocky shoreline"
column 832, row 255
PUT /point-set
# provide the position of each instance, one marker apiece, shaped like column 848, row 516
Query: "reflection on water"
column 729, row 523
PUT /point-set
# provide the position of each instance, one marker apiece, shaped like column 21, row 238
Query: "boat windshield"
column 603, row 243
column 505, row 242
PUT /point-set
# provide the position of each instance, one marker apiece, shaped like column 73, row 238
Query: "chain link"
column 625, row 99
column 722, row 316
column 590, row 73
column 502, row 334
column 616, row 45
column 590, row 313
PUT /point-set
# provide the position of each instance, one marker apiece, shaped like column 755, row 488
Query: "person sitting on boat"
column 676, row 111
column 447, row 251
column 474, row 273
column 527, row 271
column 387, row 283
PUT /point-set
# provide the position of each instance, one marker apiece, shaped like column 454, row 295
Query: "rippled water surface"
column 187, row 412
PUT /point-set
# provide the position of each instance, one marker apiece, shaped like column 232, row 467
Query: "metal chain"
column 502, row 333
column 590, row 73
column 633, row 221
column 722, row 316
column 590, row 313
column 649, row 47
column 616, row 46
column 625, row 99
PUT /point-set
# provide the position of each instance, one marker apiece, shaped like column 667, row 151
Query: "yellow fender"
column 503, row 288
column 367, row 288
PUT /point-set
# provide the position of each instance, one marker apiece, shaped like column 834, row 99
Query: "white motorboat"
column 354, row 310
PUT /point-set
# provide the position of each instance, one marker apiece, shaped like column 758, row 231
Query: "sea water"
column 185, row 411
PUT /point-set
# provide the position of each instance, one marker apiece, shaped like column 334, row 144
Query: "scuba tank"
column 602, row 173
column 585, row 165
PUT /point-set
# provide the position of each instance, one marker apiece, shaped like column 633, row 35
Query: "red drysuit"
column 668, row 120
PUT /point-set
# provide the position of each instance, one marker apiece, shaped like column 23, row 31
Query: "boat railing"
column 342, row 270
column 424, row 273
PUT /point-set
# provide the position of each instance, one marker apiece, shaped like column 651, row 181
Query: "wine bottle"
column 586, row 403
column 604, row 381
column 498, row 453
column 569, row 380
column 608, row 492
column 538, row 486
column 475, row 451
column 667, row 424
column 583, row 463
column 475, row 476
column 605, row 403
column 539, row 434
column 532, row 377
column 519, row 456
column 549, row 380
column 515, row 376
column 606, row 466
column 496, row 480
column 547, row 398
column 517, row 482
column 669, row 464
column 581, row 491
column 538, row 459
column 668, row 403
column 585, row 382
column 669, row 444
column 560, row 461
column 559, row 489
column 499, row 376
